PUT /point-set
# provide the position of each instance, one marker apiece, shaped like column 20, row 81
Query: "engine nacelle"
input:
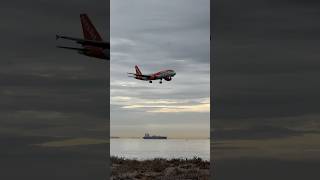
column 168, row 78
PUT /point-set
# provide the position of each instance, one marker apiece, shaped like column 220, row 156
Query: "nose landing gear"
column 160, row 81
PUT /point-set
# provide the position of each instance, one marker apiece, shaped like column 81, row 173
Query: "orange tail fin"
column 138, row 72
column 89, row 31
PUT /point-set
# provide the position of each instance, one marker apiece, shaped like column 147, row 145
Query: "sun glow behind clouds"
column 189, row 108
column 162, row 105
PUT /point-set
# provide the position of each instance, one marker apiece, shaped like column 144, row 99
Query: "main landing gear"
column 150, row 81
column 160, row 81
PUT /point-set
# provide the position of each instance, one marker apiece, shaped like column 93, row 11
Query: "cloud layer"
column 158, row 35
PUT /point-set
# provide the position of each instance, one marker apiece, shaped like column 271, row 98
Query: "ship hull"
column 154, row 137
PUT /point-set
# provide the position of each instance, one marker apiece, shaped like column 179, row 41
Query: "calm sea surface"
column 156, row 148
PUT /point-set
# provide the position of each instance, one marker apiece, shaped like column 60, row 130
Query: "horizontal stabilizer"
column 72, row 48
column 85, row 42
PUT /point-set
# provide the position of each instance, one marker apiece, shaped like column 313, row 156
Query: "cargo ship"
column 147, row 136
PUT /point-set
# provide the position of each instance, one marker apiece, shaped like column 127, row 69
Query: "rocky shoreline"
column 163, row 169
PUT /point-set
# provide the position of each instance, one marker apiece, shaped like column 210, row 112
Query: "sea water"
column 142, row 149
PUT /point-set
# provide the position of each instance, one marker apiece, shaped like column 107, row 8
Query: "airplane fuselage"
column 166, row 74
column 96, row 52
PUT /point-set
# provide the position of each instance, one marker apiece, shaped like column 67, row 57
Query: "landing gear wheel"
column 150, row 81
column 160, row 82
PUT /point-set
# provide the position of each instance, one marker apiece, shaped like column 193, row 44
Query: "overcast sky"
column 50, row 94
column 52, row 91
column 266, row 89
column 266, row 64
column 158, row 35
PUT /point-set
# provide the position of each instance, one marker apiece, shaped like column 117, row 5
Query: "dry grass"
column 163, row 169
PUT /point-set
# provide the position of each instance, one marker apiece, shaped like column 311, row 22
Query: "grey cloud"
column 49, row 94
column 257, row 133
column 164, row 35
column 266, row 59
column 38, row 77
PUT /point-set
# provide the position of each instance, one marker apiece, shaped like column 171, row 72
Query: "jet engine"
column 168, row 78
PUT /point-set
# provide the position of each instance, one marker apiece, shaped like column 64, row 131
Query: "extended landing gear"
column 160, row 81
column 150, row 81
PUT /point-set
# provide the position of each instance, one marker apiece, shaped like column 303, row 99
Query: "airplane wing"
column 86, row 42
column 138, row 75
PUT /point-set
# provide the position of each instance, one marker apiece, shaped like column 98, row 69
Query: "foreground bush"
column 157, row 168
